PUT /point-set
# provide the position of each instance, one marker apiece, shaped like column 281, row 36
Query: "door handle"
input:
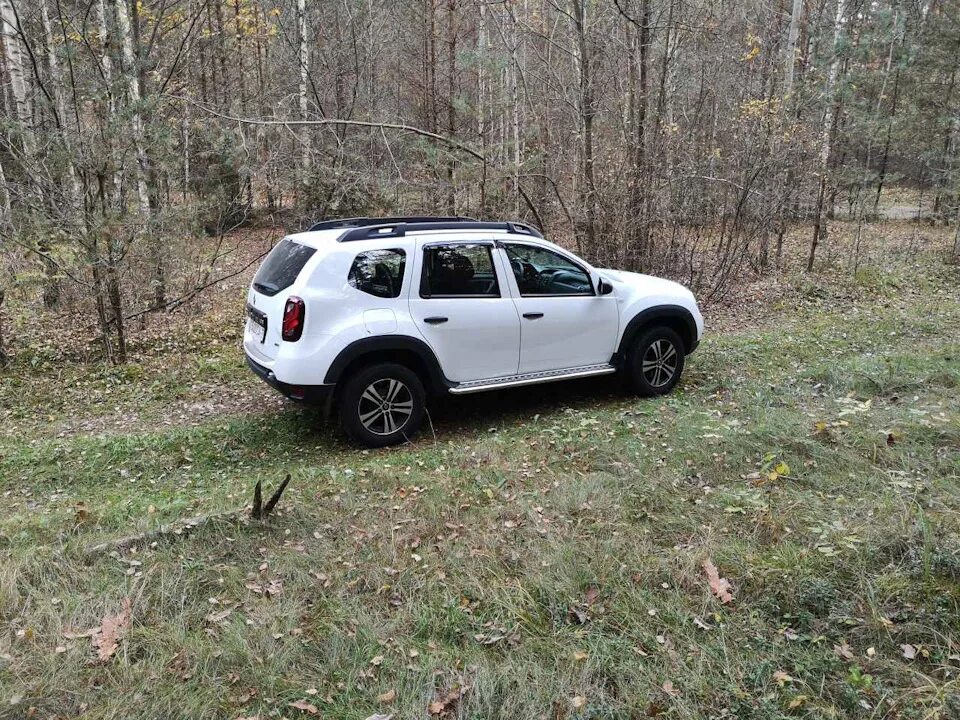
column 435, row 320
column 533, row 316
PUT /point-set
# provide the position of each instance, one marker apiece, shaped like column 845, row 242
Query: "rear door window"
column 378, row 272
column 280, row 269
column 461, row 270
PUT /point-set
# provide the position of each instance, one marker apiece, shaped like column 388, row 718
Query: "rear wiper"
column 266, row 288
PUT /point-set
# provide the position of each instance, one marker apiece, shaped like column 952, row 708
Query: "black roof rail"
column 399, row 229
column 368, row 221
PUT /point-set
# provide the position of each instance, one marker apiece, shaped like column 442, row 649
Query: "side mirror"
column 603, row 287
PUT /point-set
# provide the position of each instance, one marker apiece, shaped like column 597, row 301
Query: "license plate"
column 257, row 323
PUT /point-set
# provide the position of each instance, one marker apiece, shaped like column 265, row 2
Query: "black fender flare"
column 383, row 345
column 676, row 313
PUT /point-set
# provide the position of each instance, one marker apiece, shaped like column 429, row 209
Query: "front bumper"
column 311, row 394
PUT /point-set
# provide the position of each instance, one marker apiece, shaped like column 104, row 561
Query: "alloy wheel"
column 385, row 406
column 660, row 363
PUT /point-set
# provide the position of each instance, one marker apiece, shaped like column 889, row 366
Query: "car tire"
column 655, row 361
column 382, row 405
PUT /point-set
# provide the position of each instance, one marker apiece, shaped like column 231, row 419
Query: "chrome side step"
column 509, row 381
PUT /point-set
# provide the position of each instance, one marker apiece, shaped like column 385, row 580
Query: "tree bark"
column 826, row 136
column 587, row 110
column 131, row 77
column 304, row 62
column 790, row 52
column 15, row 56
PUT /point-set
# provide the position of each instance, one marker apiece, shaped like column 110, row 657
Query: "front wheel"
column 655, row 361
column 382, row 405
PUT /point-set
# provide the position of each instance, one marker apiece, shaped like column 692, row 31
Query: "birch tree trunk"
column 582, row 55
column 304, row 61
column 515, row 109
column 482, row 102
column 826, row 136
column 16, row 58
column 790, row 52
column 74, row 192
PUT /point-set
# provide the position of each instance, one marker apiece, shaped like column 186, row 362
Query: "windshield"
column 281, row 267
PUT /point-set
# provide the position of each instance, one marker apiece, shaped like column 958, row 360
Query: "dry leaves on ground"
column 304, row 706
column 112, row 629
column 448, row 702
column 720, row 587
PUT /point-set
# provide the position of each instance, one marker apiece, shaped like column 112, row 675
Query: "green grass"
column 543, row 551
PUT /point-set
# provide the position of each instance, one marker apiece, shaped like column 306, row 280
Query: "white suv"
column 375, row 314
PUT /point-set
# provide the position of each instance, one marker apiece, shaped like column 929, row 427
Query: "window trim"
column 489, row 246
column 504, row 244
column 403, row 276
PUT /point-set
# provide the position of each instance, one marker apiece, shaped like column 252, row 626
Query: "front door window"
column 542, row 272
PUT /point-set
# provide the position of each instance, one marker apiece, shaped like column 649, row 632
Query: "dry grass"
column 543, row 555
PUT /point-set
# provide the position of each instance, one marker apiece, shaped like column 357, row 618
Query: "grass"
column 540, row 557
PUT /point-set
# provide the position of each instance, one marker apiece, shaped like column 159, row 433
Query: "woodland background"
column 551, row 554
column 681, row 137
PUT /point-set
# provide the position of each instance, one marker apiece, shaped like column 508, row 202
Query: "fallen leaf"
column 580, row 656
column 843, row 651
column 447, row 702
column 378, row 716
column 578, row 702
column 218, row 616
column 377, row 661
column 909, row 651
column 669, row 689
column 797, row 701
column 111, row 630
column 304, row 706
column 720, row 586
column 781, row 678
column 388, row 697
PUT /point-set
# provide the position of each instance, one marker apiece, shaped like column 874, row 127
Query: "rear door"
column 564, row 323
column 459, row 302
column 266, row 298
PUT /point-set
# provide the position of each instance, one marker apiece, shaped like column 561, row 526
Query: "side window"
column 378, row 272
column 543, row 272
column 458, row 271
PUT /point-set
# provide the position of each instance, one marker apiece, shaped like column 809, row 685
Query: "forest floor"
column 537, row 554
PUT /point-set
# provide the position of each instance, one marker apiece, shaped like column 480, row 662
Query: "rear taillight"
column 293, row 315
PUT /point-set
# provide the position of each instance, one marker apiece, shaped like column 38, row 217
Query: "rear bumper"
column 312, row 394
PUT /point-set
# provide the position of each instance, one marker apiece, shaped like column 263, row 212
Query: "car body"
column 462, row 306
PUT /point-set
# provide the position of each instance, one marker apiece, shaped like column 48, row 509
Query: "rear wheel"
column 655, row 361
column 382, row 405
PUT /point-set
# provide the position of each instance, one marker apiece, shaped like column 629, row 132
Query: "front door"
column 564, row 323
column 459, row 304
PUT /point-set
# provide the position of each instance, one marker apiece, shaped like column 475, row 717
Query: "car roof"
column 370, row 233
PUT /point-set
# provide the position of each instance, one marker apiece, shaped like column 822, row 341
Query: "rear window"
column 281, row 267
